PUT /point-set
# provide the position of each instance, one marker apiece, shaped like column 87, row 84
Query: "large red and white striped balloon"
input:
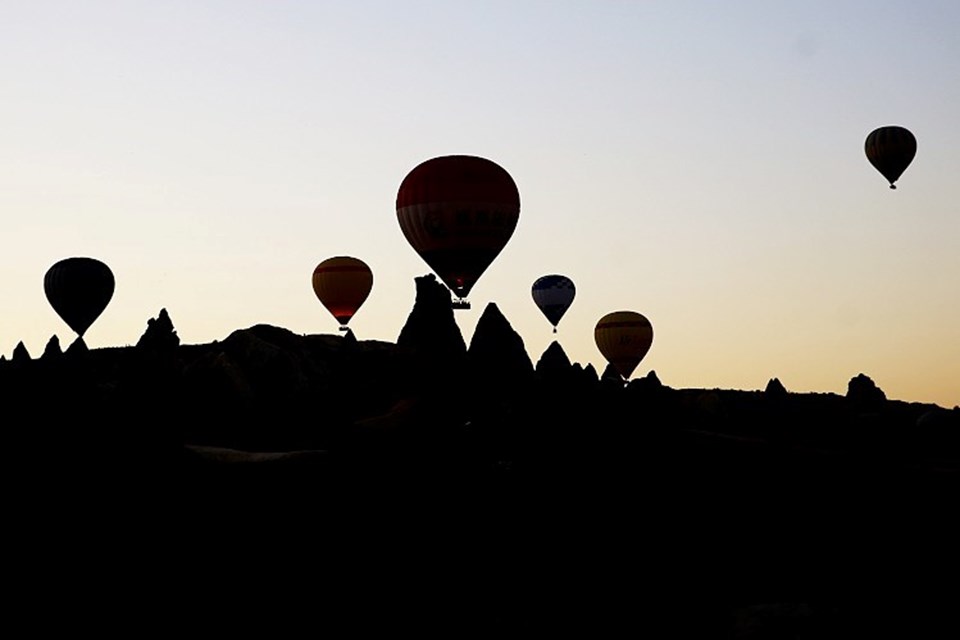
column 458, row 212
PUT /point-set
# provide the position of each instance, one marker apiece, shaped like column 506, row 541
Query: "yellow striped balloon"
column 342, row 284
column 891, row 150
column 624, row 338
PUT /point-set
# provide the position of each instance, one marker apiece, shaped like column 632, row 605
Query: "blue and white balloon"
column 553, row 294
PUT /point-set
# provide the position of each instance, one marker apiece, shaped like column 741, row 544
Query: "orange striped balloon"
column 624, row 338
column 342, row 284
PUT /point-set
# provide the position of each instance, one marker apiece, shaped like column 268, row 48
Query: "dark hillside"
column 432, row 485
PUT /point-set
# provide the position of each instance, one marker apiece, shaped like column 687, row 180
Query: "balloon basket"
column 459, row 303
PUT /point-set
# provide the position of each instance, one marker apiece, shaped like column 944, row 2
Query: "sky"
column 701, row 163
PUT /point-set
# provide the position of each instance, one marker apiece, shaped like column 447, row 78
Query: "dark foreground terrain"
column 326, row 484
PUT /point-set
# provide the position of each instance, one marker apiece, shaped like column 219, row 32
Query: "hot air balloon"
column 342, row 284
column 890, row 150
column 458, row 212
column 79, row 289
column 553, row 294
column 623, row 337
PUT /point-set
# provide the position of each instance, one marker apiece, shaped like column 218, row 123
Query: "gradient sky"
column 701, row 163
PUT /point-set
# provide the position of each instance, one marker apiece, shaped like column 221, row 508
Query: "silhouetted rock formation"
column 160, row 335
column 553, row 361
column 589, row 373
column 864, row 394
column 430, row 329
column 298, row 450
column 52, row 350
column 558, row 375
column 611, row 375
column 775, row 390
column 497, row 358
column 648, row 383
column 20, row 353
column 432, row 356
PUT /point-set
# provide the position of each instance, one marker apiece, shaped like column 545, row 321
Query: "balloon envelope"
column 79, row 289
column 342, row 284
column 891, row 150
column 623, row 337
column 553, row 294
column 458, row 212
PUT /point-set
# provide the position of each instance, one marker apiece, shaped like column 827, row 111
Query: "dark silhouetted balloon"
column 890, row 150
column 342, row 284
column 553, row 294
column 458, row 212
column 79, row 289
column 623, row 337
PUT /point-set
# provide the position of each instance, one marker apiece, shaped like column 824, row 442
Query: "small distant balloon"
column 624, row 338
column 79, row 289
column 458, row 212
column 342, row 284
column 890, row 150
column 553, row 294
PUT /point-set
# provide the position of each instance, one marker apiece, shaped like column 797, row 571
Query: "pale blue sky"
column 698, row 162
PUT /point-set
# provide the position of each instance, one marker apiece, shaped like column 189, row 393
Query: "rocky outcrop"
column 864, row 394
column 775, row 390
column 160, row 335
column 587, row 373
column 497, row 356
column 430, row 329
column 431, row 351
column 648, row 384
column 553, row 362
column 52, row 350
column 20, row 353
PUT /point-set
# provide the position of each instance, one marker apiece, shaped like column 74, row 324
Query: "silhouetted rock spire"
column 160, row 334
column 775, row 389
column 20, row 353
column 554, row 367
column 430, row 327
column 553, row 360
column 52, row 350
column 862, row 391
column 497, row 349
column 432, row 347
column 498, row 362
